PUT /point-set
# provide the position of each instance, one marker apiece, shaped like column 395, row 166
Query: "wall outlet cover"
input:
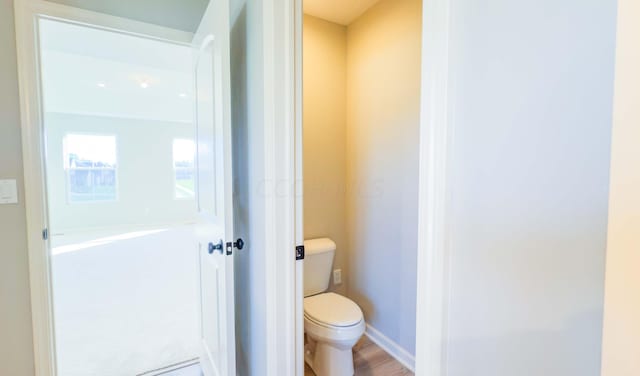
column 337, row 276
column 8, row 191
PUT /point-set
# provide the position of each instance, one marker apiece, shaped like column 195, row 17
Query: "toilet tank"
column 318, row 260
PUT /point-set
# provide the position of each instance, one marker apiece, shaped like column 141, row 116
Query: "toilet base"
column 327, row 360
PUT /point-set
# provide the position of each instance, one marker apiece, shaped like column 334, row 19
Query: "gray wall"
column 248, row 175
column 16, row 347
column 383, row 121
column 532, row 93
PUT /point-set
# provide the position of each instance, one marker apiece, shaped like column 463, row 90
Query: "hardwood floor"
column 370, row 360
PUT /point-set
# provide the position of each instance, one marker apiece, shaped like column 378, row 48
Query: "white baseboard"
column 392, row 348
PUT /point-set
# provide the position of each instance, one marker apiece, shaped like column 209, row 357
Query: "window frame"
column 67, row 175
column 176, row 169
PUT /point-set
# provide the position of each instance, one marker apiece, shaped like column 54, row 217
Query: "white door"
column 214, row 190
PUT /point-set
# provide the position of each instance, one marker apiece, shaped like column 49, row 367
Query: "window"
column 184, row 152
column 90, row 166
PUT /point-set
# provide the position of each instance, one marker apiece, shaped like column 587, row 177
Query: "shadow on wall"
column 240, row 141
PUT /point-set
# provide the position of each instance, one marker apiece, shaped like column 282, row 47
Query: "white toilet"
column 332, row 323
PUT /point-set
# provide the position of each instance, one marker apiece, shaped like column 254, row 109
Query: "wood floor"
column 370, row 360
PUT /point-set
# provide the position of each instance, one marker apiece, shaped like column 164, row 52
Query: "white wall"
column 621, row 342
column 145, row 175
column 531, row 94
column 325, row 134
column 383, row 117
column 249, row 212
column 16, row 347
column 249, row 334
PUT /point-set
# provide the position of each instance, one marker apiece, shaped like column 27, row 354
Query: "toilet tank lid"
column 320, row 245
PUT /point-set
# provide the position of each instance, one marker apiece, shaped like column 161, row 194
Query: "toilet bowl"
column 333, row 324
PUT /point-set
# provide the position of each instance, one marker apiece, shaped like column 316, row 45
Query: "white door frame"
column 282, row 173
column 27, row 13
column 299, row 185
column 436, row 127
column 433, row 201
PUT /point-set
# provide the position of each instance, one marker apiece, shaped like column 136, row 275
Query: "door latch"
column 239, row 244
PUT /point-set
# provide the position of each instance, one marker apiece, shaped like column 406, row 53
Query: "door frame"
column 283, row 174
column 436, row 127
column 434, row 199
column 27, row 13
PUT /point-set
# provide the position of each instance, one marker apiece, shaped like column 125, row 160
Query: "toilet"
column 332, row 323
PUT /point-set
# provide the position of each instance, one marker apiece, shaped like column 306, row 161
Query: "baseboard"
column 392, row 348
column 170, row 368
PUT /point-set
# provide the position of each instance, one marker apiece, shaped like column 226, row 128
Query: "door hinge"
column 45, row 234
column 300, row 252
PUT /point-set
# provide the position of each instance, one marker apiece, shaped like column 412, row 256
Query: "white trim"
column 67, row 169
column 27, row 13
column 271, row 220
column 299, row 187
column 433, row 202
column 278, row 102
column 396, row 351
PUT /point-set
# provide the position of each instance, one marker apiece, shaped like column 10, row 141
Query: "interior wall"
column 324, row 139
column 621, row 337
column 249, row 335
column 247, row 112
column 16, row 346
column 383, row 117
column 531, row 91
column 144, row 148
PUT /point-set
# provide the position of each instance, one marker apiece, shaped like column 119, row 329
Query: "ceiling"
column 176, row 14
column 342, row 12
column 96, row 72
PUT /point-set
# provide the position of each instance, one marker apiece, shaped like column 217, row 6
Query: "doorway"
column 361, row 122
column 120, row 168
column 129, row 175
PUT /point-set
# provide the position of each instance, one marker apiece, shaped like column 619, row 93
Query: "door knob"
column 215, row 247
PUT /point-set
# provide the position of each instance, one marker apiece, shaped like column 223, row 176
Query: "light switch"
column 8, row 192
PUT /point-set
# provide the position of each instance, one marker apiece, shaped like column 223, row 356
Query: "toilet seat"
column 331, row 310
column 332, row 324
